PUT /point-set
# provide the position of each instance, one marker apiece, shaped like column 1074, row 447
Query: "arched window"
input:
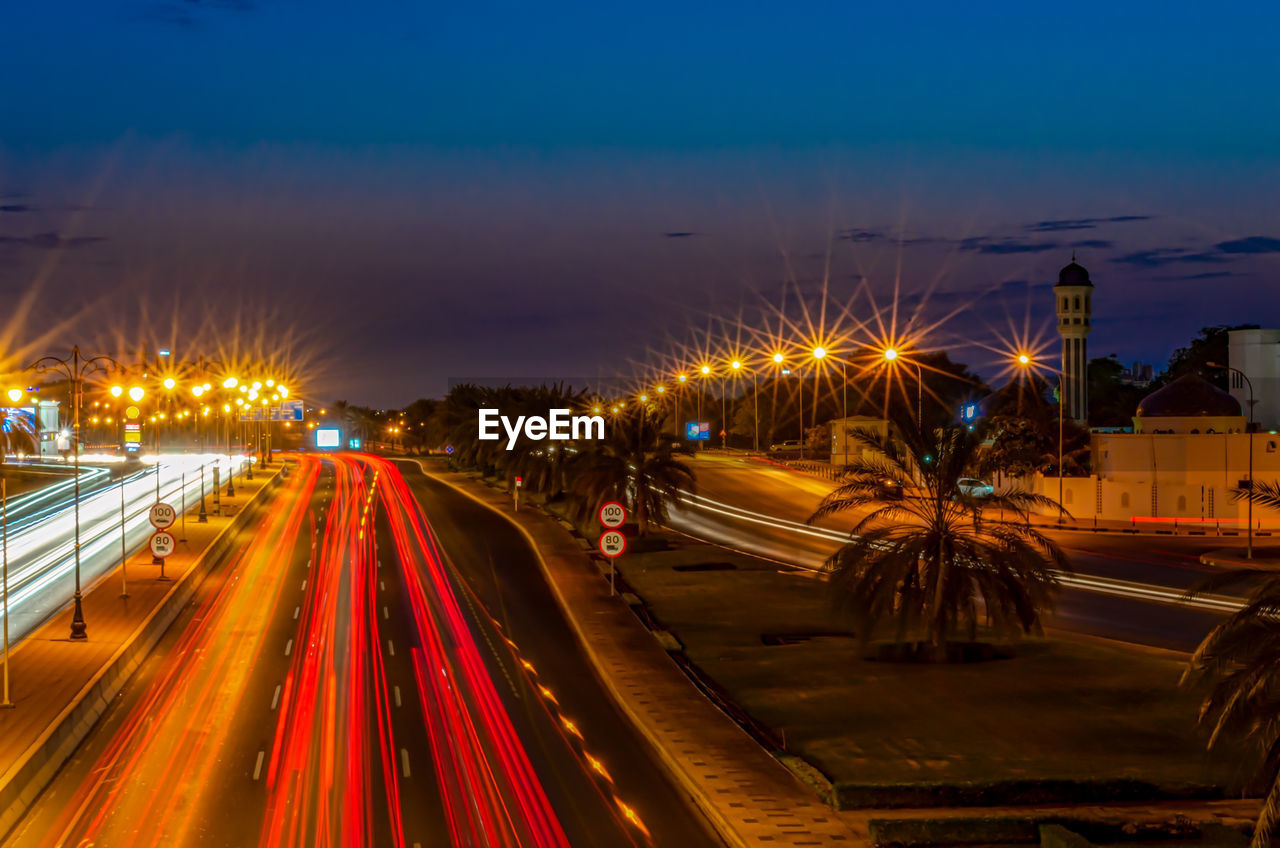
column 1088, row 305
column 1124, row 500
column 1197, row 430
column 1077, row 303
column 1065, row 303
column 1182, row 503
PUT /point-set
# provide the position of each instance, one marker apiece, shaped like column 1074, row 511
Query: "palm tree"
column 633, row 464
column 15, row 429
column 1240, row 663
column 924, row 554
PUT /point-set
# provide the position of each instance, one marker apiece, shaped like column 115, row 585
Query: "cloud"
column 1252, row 244
column 1059, row 224
column 1098, row 244
column 857, row 235
column 49, row 241
column 1161, row 256
column 987, row 244
column 1203, row 275
column 15, row 207
column 680, row 234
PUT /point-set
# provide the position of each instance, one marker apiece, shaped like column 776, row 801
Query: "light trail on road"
column 683, row 519
column 148, row 786
column 42, row 552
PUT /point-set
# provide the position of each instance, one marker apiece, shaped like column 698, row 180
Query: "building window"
column 1077, row 303
column 1182, row 503
column 1124, row 500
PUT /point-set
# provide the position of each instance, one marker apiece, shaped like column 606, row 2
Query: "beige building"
column 1189, row 451
column 844, row 447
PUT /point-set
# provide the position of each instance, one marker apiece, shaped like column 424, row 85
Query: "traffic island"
column 61, row 688
column 1062, row 720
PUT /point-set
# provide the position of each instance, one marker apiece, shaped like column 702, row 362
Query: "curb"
column 691, row 787
column 23, row 781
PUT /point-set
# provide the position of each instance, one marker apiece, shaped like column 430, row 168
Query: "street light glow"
column 890, row 354
column 682, row 378
column 116, row 391
column 777, row 358
column 136, row 393
column 735, row 364
column 169, row 382
column 706, row 369
column 15, row 395
column 1024, row 359
column 230, row 383
column 819, row 353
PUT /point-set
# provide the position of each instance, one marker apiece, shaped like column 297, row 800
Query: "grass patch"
column 1061, row 719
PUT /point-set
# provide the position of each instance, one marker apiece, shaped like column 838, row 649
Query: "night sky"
column 427, row 191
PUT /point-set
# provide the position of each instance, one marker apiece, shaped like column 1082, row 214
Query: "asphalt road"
column 1125, row 587
column 338, row 683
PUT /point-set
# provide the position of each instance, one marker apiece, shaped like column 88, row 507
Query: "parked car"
column 974, row 488
column 789, row 446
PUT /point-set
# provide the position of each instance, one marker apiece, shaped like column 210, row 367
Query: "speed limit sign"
column 162, row 544
column 162, row 515
column 613, row 514
column 612, row 543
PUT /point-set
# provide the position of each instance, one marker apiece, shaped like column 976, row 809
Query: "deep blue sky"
column 484, row 190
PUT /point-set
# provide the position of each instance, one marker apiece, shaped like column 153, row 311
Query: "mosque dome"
column 1186, row 397
column 1074, row 275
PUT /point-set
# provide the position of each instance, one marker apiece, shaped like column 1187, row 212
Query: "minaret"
column 1074, row 295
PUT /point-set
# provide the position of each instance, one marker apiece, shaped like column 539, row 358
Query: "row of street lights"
column 815, row 358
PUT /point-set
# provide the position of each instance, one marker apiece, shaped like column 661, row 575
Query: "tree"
column 1112, row 403
column 926, row 558
column 1212, row 345
column 635, row 464
column 1239, row 661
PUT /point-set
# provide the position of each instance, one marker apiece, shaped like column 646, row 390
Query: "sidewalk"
column 1265, row 558
column 749, row 796
column 60, row 688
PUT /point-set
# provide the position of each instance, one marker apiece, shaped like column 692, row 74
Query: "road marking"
column 383, row 585
column 257, row 768
column 288, row 649
column 275, row 699
column 397, row 694
column 391, row 648
column 296, row 612
column 304, row 585
column 404, row 761
column 386, row 614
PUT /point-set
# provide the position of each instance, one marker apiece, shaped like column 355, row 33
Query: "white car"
column 974, row 488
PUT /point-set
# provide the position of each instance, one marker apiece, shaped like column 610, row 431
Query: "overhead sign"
column 613, row 514
column 162, row 515
column 162, row 544
column 290, row 410
column 698, row 431
column 328, row 437
column 612, row 543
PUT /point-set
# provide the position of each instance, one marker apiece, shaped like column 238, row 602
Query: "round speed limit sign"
column 162, row 515
column 612, row 543
column 613, row 514
column 162, row 544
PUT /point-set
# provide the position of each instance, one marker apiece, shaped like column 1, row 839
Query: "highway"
column 1124, row 587
column 338, row 683
column 41, row 534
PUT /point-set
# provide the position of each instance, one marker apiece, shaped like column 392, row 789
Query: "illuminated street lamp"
column 75, row 368
column 1025, row 361
column 15, row 395
column 891, row 355
column 137, row 393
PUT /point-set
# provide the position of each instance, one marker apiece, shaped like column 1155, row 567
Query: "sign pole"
column 124, row 552
column 4, row 523
column 183, row 495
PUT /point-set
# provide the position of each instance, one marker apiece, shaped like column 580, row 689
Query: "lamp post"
column 1025, row 361
column 75, row 368
column 1248, row 551
column 4, row 541
column 892, row 355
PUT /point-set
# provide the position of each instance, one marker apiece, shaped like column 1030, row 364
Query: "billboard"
column 328, row 437
column 698, row 431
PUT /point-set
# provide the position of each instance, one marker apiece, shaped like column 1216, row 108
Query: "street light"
column 15, row 395
column 892, row 354
column 75, row 368
column 1024, row 360
column 1248, row 551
